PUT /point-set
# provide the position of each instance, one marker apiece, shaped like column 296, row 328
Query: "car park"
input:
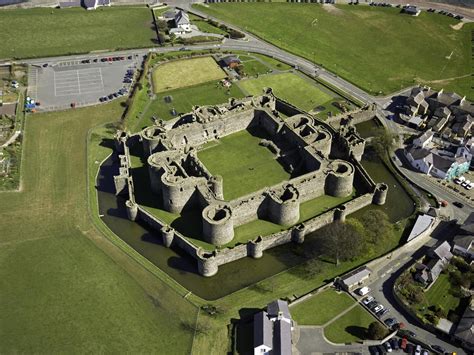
column 390, row 322
column 387, row 346
column 458, row 204
column 409, row 348
column 394, row 344
column 470, row 186
column 465, row 183
column 367, row 300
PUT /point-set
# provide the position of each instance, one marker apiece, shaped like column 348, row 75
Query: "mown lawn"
column 43, row 32
column 244, row 165
column 350, row 327
column 211, row 93
column 378, row 49
column 64, row 288
column 290, row 87
column 187, row 72
column 321, row 308
column 439, row 294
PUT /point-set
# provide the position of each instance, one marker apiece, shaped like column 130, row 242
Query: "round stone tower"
column 340, row 214
column 151, row 138
column 284, row 206
column 298, row 233
column 132, row 210
column 255, row 247
column 155, row 172
column 380, row 194
column 167, row 233
column 340, row 178
column 217, row 224
column 176, row 192
column 120, row 140
column 207, row 264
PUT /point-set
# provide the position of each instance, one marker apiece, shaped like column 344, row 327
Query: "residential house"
column 272, row 329
column 230, row 61
column 94, row 4
column 182, row 21
column 416, row 103
column 438, row 257
column 463, row 242
column 424, row 140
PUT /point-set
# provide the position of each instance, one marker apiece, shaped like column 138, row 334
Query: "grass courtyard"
column 439, row 294
column 183, row 73
column 244, row 165
column 64, row 288
column 321, row 308
column 378, row 49
column 350, row 327
column 43, row 32
column 293, row 88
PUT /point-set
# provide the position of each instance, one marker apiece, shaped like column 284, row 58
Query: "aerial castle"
column 321, row 162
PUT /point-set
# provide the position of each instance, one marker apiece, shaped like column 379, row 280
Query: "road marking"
column 78, row 81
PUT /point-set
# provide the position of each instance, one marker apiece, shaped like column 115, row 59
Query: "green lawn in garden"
column 378, row 49
column 253, row 67
column 439, row 294
column 321, row 308
column 43, row 32
column 293, row 88
column 64, row 287
column 205, row 26
column 349, row 328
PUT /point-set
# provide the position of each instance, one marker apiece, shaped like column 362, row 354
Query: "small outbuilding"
column 230, row 61
column 355, row 278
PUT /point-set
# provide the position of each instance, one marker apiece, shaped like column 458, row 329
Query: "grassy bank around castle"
column 44, row 32
column 378, row 49
column 64, row 287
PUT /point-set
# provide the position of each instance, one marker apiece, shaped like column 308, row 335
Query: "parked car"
column 418, row 350
column 381, row 349
column 363, row 291
column 424, row 352
column 459, row 180
column 403, row 343
column 458, row 204
column 388, row 347
column 373, row 350
column 410, row 333
column 394, row 344
column 470, row 186
column 378, row 308
column 367, row 300
column 390, row 322
column 129, row 57
column 373, row 304
column 110, row 97
column 383, row 312
column 465, row 183
column 438, row 349
column 409, row 348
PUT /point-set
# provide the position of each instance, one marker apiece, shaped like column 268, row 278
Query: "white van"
column 363, row 291
column 459, row 180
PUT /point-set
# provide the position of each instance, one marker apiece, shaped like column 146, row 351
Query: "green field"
column 253, row 67
column 183, row 73
column 321, row 308
column 64, row 288
column 376, row 48
column 50, row 32
column 205, row 26
column 183, row 100
column 244, row 165
column 299, row 91
column 439, row 294
column 350, row 327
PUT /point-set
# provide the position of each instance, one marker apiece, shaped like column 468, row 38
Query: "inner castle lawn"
column 42, row 32
column 378, row 49
column 244, row 165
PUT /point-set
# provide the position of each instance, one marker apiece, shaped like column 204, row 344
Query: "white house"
column 424, row 140
column 182, row 21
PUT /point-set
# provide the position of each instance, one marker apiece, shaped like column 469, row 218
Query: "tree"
column 377, row 226
column 340, row 241
column 382, row 141
column 376, row 331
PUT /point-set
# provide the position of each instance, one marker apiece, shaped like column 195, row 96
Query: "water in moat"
column 233, row 276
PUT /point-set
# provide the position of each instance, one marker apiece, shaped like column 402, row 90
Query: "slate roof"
column 274, row 308
column 282, row 338
column 89, row 4
column 465, row 328
column 427, row 135
column 181, row 18
column 230, row 59
column 418, row 153
column 448, row 99
column 442, row 163
column 74, row 3
column 463, row 241
column 468, row 225
column 356, row 276
column 442, row 251
column 442, row 112
column 262, row 330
